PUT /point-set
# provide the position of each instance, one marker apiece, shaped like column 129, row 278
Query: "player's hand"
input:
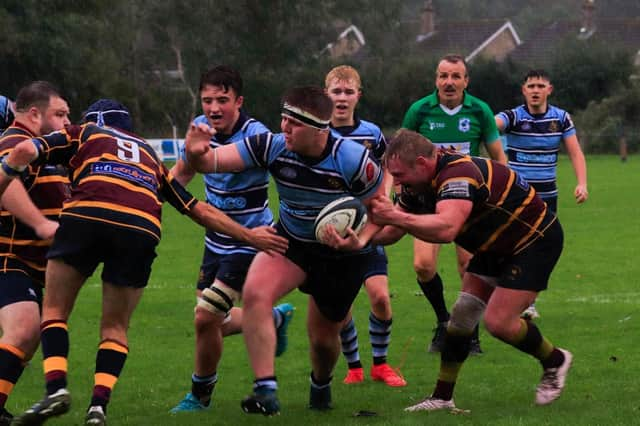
column 581, row 194
column 197, row 140
column 265, row 238
column 350, row 242
column 46, row 229
column 382, row 211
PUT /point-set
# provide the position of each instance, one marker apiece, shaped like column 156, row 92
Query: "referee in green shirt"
column 451, row 118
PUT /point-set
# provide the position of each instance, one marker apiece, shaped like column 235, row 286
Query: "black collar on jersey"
column 325, row 152
column 242, row 118
column 347, row 130
column 538, row 115
column 305, row 117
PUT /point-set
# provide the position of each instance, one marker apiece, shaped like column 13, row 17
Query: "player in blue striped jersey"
column 343, row 85
column 311, row 168
column 244, row 198
column 534, row 132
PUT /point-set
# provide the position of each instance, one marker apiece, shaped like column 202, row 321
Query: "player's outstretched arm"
column 441, row 227
column 16, row 161
column 496, row 151
column 263, row 238
column 204, row 159
column 182, row 172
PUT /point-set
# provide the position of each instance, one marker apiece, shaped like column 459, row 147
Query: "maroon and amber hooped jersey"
column 116, row 177
column 48, row 187
column 507, row 214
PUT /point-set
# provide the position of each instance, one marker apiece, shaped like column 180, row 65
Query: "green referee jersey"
column 463, row 130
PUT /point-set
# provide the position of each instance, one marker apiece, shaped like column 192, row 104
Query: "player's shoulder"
column 370, row 127
column 475, row 102
column 556, row 112
column 425, row 102
column 253, row 127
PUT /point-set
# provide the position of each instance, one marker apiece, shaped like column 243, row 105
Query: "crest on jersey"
column 335, row 183
column 288, row 172
column 554, row 126
column 464, row 124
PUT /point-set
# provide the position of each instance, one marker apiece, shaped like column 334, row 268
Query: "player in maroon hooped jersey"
column 489, row 210
column 118, row 186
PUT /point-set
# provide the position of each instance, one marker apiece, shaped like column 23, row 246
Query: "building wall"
column 499, row 47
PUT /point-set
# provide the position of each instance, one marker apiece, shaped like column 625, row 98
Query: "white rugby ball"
column 343, row 213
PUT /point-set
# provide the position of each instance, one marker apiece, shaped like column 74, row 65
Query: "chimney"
column 588, row 25
column 427, row 18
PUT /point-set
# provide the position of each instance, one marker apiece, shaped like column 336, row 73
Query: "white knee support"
column 466, row 313
column 217, row 300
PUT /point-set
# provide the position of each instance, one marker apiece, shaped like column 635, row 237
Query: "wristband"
column 10, row 171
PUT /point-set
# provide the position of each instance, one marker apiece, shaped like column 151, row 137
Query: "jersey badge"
column 335, row 183
column 464, row 124
column 288, row 172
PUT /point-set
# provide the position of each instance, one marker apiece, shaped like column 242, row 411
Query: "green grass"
column 592, row 307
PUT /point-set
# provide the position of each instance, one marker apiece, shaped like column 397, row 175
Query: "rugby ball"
column 343, row 213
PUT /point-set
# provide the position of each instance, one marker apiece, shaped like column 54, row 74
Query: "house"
column 349, row 42
column 618, row 33
column 482, row 38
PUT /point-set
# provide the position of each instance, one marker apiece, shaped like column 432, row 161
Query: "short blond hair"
column 343, row 73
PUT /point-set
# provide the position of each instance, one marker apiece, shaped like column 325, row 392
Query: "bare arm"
column 202, row 158
column 579, row 166
column 15, row 162
column 16, row 201
column 441, row 227
column 263, row 238
column 182, row 172
column 501, row 125
column 387, row 235
column 496, row 152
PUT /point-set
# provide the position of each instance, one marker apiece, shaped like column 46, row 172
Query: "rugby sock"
column 380, row 335
column 529, row 340
column 12, row 361
column 54, row 338
column 434, row 292
column 315, row 383
column 110, row 360
column 265, row 385
column 454, row 352
column 202, row 387
column 349, row 342
column 277, row 317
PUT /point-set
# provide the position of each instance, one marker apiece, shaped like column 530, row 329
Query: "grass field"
column 592, row 307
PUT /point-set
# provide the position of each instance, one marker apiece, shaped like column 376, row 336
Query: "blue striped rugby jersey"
column 306, row 185
column 533, row 141
column 242, row 196
column 365, row 133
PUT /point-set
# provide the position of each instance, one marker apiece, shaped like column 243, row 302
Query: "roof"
column 623, row 33
column 467, row 38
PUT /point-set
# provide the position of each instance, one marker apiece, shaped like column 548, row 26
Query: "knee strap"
column 217, row 300
column 466, row 314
